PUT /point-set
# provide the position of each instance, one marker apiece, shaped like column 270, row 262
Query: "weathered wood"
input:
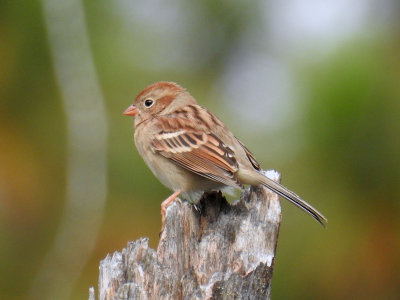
column 210, row 251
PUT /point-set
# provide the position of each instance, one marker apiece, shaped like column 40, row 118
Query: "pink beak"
column 131, row 111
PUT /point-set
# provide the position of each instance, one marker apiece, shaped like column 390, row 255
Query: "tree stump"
column 212, row 250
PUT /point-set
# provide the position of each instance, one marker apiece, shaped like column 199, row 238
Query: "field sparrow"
column 191, row 151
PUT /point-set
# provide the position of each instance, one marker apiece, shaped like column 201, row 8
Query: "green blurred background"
column 312, row 87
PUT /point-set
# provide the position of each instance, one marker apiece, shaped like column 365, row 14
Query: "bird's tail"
column 292, row 197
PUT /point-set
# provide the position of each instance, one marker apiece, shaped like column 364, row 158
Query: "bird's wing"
column 250, row 156
column 198, row 151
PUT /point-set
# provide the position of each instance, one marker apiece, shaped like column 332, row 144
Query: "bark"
column 212, row 250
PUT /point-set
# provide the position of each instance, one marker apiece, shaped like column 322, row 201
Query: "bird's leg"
column 165, row 204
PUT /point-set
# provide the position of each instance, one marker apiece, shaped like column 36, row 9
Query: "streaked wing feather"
column 202, row 153
column 250, row 156
column 205, row 168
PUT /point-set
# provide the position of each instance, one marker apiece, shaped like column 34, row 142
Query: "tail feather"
column 293, row 198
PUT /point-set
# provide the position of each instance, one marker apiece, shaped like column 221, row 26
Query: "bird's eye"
column 148, row 102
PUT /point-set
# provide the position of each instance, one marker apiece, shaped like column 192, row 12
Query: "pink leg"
column 165, row 204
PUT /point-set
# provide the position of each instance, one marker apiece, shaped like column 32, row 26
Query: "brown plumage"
column 191, row 151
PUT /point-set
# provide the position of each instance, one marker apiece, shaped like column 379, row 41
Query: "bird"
column 191, row 151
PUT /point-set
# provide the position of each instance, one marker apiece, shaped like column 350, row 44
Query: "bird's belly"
column 174, row 176
column 177, row 178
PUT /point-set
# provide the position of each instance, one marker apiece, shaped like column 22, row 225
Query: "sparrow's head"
column 159, row 98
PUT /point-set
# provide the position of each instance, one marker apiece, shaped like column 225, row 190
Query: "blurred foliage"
column 351, row 127
column 348, row 167
column 353, row 115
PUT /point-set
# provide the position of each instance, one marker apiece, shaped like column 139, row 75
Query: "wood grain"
column 213, row 250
